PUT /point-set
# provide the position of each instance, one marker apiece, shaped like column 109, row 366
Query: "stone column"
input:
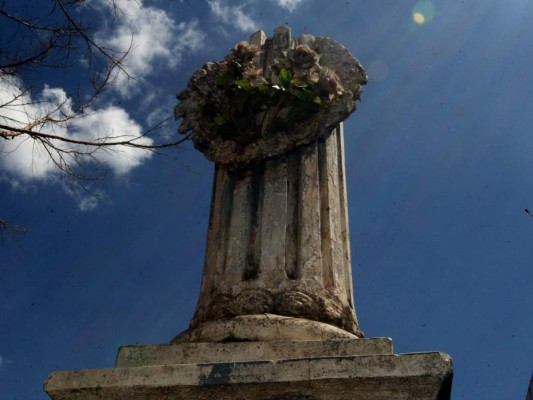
column 278, row 241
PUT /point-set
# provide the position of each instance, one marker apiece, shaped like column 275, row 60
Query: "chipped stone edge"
column 403, row 366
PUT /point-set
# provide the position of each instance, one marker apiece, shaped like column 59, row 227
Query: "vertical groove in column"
column 325, row 216
column 344, row 223
column 225, row 195
column 251, row 267
column 213, row 233
column 274, row 223
column 291, row 231
column 309, row 242
column 240, row 225
column 253, row 257
column 332, row 241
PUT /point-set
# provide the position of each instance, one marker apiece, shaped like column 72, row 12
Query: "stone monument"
column 275, row 317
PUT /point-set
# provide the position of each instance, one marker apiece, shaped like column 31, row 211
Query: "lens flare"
column 419, row 18
column 423, row 12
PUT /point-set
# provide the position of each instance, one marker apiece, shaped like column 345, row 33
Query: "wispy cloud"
column 289, row 4
column 232, row 15
column 87, row 200
column 154, row 38
column 4, row 362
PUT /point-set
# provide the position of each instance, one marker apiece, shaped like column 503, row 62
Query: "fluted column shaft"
column 278, row 239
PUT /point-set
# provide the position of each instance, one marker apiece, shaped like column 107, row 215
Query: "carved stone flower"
column 330, row 83
column 244, row 52
column 302, row 58
column 254, row 75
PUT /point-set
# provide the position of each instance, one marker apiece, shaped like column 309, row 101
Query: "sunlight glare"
column 419, row 18
column 423, row 12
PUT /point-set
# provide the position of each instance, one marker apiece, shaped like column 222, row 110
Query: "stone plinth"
column 364, row 369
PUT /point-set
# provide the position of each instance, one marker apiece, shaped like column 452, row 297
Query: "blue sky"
column 439, row 159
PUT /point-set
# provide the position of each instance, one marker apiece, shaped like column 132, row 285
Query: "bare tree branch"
column 11, row 132
column 35, row 41
column 9, row 230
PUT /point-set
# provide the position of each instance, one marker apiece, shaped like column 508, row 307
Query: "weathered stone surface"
column 378, row 377
column 265, row 130
column 344, row 223
column 309, row 233
column 278, row 243
column 262, row 327
column 272, row 259
column 278, row 239
column 194, row 353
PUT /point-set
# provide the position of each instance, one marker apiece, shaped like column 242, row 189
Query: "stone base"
column 360, row 369
column 262, row 327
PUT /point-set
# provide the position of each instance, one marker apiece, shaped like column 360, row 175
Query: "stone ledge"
column 377, row 377
column 193, row 353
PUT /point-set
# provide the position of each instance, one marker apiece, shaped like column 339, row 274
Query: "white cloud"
column 233, row 15
column 154, row 38
column 112, row 124
column 27, row 160
column 289, row 4
column 88, row 203
column 87, row 200
column 157, row 41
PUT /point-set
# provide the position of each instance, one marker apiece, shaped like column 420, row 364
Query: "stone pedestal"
column 363, row 369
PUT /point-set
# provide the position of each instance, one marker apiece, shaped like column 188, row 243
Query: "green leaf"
column 302, row 94
column 221, row 120
column 243, row 84
column 225, row 79
column 317, row 100
column 285, row 77
column 298, row 83
column 262, row 88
